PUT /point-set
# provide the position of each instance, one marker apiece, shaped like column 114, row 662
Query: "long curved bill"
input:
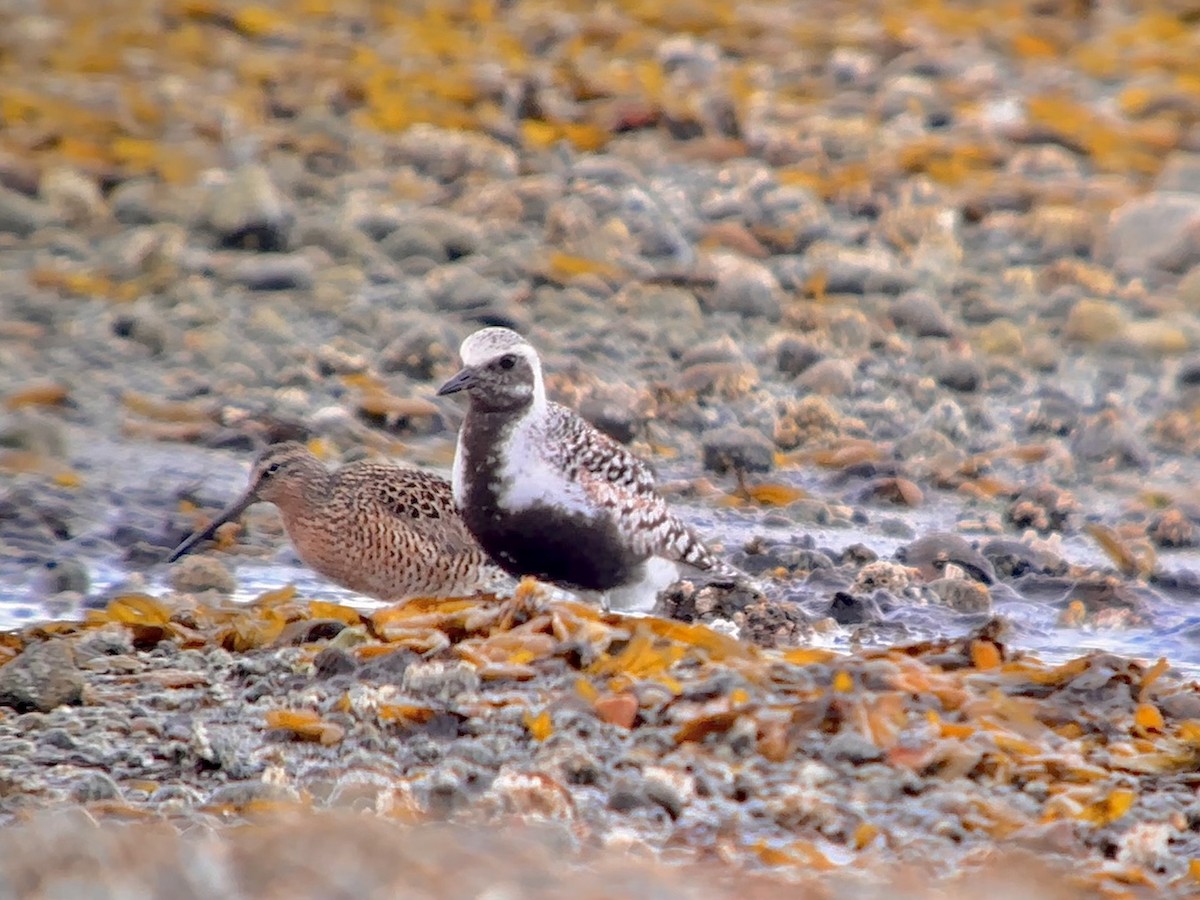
column 228, row 514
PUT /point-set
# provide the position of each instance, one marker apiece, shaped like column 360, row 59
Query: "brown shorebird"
column 548, row 495
column 380, row 530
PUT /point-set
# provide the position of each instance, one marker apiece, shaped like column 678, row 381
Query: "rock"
column 794, row 354
column 932, row 553
column 1045, row 508
column 194, row 574
column 137, row 201
column 1188, row 290
column 1180, row 173
column 1107, row 438
column 856, row 270
column 423, row 347
column 849, row 746
column 94, row 786
column 1000, row 338
column 919, row 315
column 273, row 272
column 1155, row 338
column 449, row 154
column 963, row 595
column 828, row 377
column 1173, row 528
column 459, row 289
column 745, row 287
column 60, row 575
column 1093, row 321
column 75, row 198
column 1189, row 373
column 246, row 211
column 614, row 409
column 21, row 215
column 34, row 432
column 736, row 448
column 960, row 373
column 439, row 234
column 43, row 677
column 1157, row 231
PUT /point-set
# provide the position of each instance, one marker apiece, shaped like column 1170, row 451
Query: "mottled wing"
column 582, row 450
column 423, row 503
column 617, row 480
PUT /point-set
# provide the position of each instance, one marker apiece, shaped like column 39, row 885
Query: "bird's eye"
column 272, row 469
column 508, row 361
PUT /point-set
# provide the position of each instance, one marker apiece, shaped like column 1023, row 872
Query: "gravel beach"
column 902, row 302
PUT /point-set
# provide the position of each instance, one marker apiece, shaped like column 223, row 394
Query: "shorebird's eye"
column 272, row 469
column 508, row 361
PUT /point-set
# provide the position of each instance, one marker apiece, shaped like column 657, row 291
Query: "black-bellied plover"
column 381, row 530
column 548, row 495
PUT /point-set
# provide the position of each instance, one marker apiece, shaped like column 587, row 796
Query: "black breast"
column 547, row 542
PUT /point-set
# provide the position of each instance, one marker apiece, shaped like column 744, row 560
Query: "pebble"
column 44, row 677
column 794, row 354
column 67, row 574
column 75, row 198
column 962, row 595
column 745, row 287
column 851, row 270
column 1179, row 173
column 960, row 373
column 436, row 234
column 22, row 216
column 247, row 211
column 828, row 377
column 1158, row 231
column 931, row 554
column 273, row 272
column 736, row 448
column 1094, row 321
column 194, row 574
column 919, row 315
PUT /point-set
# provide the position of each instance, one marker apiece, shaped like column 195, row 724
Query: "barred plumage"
column 381, row 530
column 548, row 495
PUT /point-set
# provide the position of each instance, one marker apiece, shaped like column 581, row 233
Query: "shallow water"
column 124, row 482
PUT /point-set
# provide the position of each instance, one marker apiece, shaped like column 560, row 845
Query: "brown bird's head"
column 282, row 474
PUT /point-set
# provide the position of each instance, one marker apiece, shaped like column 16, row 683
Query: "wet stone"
column 828, row 377
column 794, row 354
column 60, row 575
column 21, row 215
column 1157, row 231
column 1173, row 528
column 247, row 211
column 962, row 595
column 1105, row 438
column 42, row 678
column 274, row 272
column 736, row 448
column 854, row 609
column 920, row 315
column 932, row 553
column 95, row 786
column 197, row 573
column 960, row 374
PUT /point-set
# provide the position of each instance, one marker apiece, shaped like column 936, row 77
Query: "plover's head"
column 501, row 371
column 282, row 474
